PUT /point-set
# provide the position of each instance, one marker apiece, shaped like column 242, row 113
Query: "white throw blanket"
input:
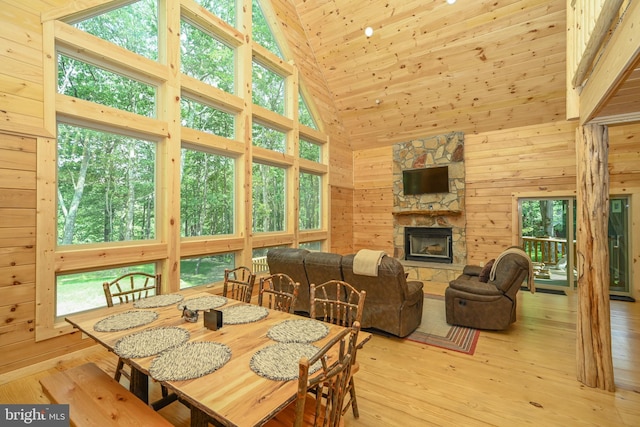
column 366, row 262
column 531, row 284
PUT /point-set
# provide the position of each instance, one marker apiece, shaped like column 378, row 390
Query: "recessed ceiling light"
column 451, row 1
column 368, row 31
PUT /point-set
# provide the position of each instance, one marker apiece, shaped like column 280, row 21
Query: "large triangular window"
column 304, row 115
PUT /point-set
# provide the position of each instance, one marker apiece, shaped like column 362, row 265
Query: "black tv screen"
column 427, row 180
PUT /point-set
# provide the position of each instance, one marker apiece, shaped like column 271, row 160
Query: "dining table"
column 222, row 372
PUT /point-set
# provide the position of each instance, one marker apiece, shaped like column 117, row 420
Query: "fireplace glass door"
column 428, row 244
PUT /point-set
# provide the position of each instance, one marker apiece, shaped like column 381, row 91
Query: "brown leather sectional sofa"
column 392, row 304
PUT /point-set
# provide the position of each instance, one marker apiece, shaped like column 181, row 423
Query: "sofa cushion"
column 322, row 267
column 392, row 304
column 290, row 261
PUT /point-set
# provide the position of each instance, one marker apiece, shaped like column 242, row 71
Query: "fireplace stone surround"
column 440, row 210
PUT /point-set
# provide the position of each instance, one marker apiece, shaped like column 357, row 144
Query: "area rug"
column 435, row 331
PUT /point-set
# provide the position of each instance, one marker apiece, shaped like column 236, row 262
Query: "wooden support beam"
column 593, row 327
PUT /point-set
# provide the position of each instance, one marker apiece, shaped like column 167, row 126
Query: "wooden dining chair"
column 239, row 283
column 320, row 397
column 126, row 288
column 132, row 287
column 339, row 303
column 278, row 292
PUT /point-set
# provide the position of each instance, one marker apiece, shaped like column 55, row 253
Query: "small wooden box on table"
column 96, row 399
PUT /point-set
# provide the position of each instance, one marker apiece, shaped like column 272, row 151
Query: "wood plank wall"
column 373, row 199
column 535, row 160
column 17, row 238
column 21, row 79
column 18, row 260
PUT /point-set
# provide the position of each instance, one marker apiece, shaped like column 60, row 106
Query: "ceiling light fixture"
column 368, row 31
column 451, row 1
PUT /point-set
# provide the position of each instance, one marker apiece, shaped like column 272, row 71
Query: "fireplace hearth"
column 428, row 244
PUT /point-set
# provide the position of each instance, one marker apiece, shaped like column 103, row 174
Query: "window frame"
column 168, row 247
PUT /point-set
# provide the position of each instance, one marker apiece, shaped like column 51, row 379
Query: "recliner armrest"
column 472, row 270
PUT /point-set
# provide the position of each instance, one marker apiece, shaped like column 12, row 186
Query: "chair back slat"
column 336, row 302
column 132, row 287
column 278, row 292
column 329, row 385
column 239, row 283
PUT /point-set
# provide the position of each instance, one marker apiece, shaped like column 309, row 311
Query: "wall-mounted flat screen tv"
column 426, row 180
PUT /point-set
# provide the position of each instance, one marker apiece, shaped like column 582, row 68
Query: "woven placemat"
column 243, row 314
column 281, row 361
column 158, row 301
column 189, row 360
column 126, row 320
column 301, row 330
column 150, row 342
column 203, row 303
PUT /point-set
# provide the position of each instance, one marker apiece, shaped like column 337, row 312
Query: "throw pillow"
column 486, row 270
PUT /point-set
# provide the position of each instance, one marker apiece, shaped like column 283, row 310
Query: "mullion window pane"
column 204, row 270
column 205, row 58
column 83, row 291
column 206, row 118
column 206, row 194
column 310, row 151
column 223, row 9
column 268, row 138
column 269, row 198
column 310, row 201
column 106, row 187
column 268, row 89
column 133, row 27
column 85, row 81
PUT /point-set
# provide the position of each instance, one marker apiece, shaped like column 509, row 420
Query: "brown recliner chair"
column 489, row 304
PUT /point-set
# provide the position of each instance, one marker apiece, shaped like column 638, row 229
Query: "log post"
column 593, row 331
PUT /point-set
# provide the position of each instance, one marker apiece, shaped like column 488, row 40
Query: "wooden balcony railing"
column 259, row 265
column 589, row 23
column 547, row 250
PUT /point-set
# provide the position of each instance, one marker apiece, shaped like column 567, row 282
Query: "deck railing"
column 547, row 250
column 259, row 265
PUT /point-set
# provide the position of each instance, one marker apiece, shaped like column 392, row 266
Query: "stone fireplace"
column 443, row 213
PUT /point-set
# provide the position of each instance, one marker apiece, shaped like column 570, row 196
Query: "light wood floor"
column 522, row 376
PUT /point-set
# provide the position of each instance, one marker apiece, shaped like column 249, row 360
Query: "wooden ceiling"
column 431, row 68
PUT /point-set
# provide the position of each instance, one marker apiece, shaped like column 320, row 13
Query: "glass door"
column 547, row 234
column 619, row 246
